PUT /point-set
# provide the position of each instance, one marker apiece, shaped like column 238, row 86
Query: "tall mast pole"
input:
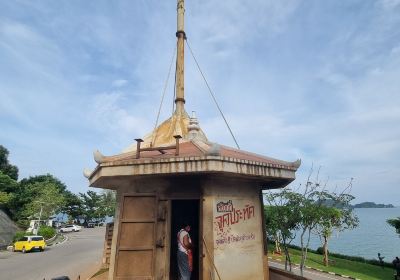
column 180, row 59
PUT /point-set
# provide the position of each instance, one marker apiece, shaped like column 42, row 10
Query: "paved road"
column 81, row 253
column 310, row 274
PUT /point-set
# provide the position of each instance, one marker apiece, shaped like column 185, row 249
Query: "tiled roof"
column 198, row 149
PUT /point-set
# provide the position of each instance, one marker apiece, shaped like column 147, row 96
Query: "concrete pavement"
column 310, row 274
column 80, row 255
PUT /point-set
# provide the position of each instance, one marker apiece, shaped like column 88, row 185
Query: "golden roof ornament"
column 178, row 123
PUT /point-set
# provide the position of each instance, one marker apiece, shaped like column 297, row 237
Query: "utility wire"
column 212, row 94
column 173, row 99
column 162, row 97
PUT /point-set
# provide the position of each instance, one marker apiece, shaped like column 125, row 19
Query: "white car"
column 70, row 228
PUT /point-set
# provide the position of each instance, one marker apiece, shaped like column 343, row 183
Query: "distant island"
column 331, row 203
column 372, row 205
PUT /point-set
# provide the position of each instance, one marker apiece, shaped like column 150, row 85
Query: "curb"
column 333, row 273
column 320, row 270
column 51, row 239
column 59, row 243
column 65, row 240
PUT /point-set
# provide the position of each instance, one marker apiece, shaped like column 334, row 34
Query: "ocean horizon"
column 373, row 235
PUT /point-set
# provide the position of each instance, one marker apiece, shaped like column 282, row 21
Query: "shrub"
column 22, row 224
column 19, row 234
column 47, row 232
column 320, row 250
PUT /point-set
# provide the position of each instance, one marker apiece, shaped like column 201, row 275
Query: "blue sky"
column 316, row 80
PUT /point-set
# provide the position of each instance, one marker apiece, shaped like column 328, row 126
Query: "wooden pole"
column 180, row 59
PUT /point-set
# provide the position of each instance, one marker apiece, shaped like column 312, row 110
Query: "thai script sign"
column 225, row 206
column 234, row 216
column 237, row 234
column 235, row 238
column 234, row 221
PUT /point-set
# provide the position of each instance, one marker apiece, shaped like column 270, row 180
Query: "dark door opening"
column 184, row 211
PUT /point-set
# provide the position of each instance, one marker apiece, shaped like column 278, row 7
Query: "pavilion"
column 176, row 174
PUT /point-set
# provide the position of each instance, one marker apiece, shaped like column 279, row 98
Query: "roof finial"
column 193, row 127
column 180, row 82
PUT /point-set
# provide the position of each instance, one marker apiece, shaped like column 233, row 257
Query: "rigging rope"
column 173, row 99
column 212, row 94
column 162, row 98
column 210, row 259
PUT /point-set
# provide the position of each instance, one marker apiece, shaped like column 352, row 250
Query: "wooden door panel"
column 137, row 235
column 135, row 264
column 139, row 208
column 136, row 245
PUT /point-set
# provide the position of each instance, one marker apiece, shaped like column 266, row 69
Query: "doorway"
column 185, row 211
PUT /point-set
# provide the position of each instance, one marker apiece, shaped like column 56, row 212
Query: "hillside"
column 372, row 205
column 367, row 204
column 7, row 229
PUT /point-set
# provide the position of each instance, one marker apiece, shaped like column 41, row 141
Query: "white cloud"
column 293, row 80
column 119, row 83
column 390, row 4
column 115, row 123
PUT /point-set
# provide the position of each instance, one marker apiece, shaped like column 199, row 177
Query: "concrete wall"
column 107, row 245
column 231, row 231
column 234, row 230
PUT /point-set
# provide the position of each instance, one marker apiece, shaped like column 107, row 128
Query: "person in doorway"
column 396, row 265
column 381, row 260
column 184, row 254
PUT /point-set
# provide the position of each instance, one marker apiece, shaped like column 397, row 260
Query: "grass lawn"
column 101, row 271
column 351, row 268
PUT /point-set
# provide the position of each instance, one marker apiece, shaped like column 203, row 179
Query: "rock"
column 7, row 229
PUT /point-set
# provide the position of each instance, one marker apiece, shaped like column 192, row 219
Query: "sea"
column 373, row 235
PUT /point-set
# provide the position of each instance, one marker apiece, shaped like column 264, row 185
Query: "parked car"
column 90, row 225
column 70, row 228
column 94, row 224
column 30, row 243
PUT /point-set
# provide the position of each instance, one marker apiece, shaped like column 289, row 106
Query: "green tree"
column 27, row 190
column 330, row 219
column 4, row 198
column 310, row 213
column 315, row 210
column 47, row 200
column 108, row 203
column 91, row 206
column 335, row 218
column 315, row 213
column 395, row 223
column 8, row 186
column 73, row 206
column 32, row 189
column 283, row 218
column 5, row 166
column 272, row 226
column 45, row 178
column 338, row 217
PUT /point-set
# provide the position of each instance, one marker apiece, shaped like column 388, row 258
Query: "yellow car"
column 29, row 243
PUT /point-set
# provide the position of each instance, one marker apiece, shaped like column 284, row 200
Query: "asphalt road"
column 80, row 254
column 310, row 274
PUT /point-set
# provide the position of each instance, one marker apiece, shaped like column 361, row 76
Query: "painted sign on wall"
column 229, row 219
column 237, row 237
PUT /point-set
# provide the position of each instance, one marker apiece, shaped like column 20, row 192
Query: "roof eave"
column 276, row 175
